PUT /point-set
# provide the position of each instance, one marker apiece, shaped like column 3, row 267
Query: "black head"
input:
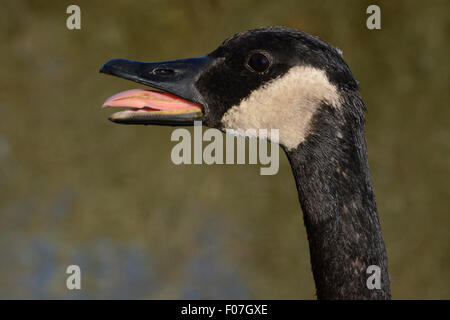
column 231, row 78
column 243, row 68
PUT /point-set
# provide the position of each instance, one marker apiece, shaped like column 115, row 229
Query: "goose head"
column 285, row 79
column 267, row 78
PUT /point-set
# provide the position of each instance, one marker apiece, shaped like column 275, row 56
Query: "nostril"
column 163, row 72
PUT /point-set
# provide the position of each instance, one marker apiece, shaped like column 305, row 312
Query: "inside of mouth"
column 148, row 109
column 142, row 100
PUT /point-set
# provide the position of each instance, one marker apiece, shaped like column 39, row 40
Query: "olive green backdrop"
column 78, row 189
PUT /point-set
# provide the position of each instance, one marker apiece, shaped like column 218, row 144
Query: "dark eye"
column 258, row 62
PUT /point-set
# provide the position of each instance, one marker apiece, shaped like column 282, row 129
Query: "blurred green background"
column 78, row 189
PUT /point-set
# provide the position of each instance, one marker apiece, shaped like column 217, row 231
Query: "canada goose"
column 282, row 78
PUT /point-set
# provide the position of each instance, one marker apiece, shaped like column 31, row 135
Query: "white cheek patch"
column 286, row 103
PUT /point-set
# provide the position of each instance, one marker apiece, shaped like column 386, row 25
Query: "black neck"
column 336, row 195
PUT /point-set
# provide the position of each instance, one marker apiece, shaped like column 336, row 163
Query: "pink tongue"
column 139, row 99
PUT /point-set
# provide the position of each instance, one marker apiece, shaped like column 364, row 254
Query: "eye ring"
column 258, row 61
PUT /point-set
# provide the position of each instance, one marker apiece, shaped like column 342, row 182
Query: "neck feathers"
column 336, row 195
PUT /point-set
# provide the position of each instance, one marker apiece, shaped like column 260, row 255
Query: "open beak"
column 177, row 100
